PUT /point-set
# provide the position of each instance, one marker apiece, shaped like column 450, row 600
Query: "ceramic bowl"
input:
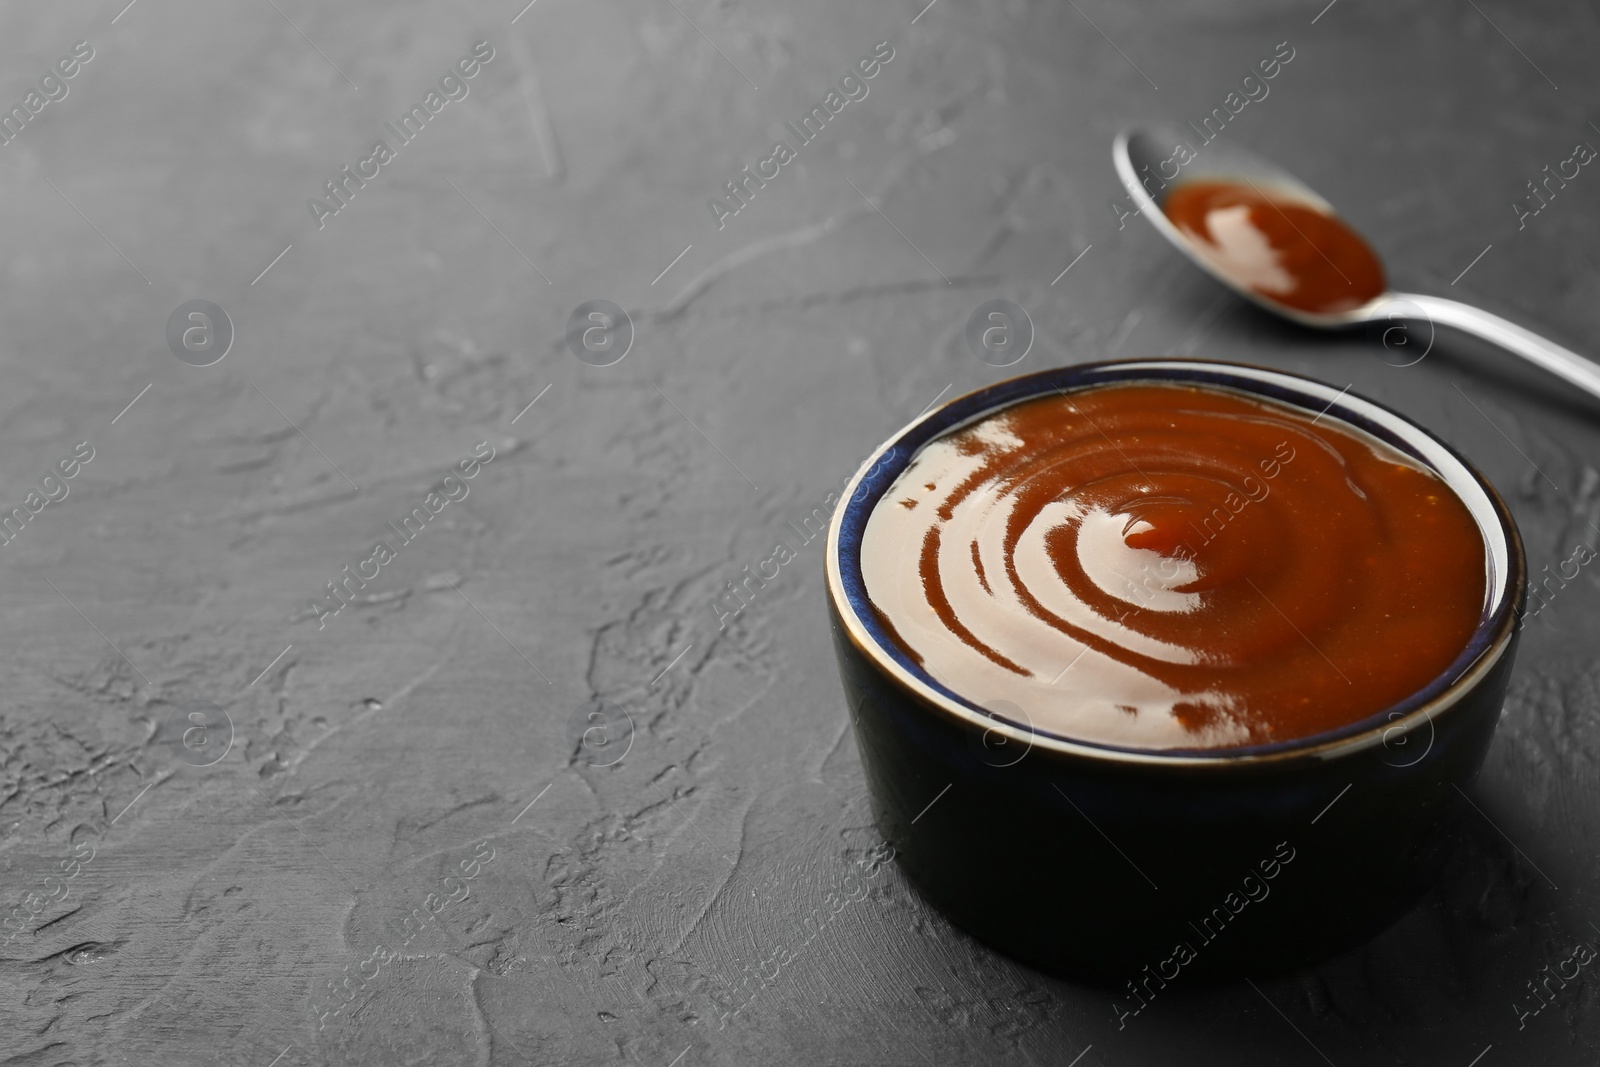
column 1137, row 866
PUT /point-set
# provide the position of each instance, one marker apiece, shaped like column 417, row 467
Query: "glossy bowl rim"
column 1491, row 637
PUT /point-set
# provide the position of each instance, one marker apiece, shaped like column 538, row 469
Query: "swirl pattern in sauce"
column 1162, row 566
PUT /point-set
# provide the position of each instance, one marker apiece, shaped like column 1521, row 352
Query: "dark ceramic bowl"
column 1136, row 866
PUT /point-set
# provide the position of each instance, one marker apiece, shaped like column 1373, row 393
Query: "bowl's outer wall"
column 1099, row 868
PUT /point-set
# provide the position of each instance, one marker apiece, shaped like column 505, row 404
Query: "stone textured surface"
column 630, row 914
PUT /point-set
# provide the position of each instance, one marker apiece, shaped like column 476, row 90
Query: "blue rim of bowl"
column 1504, row 560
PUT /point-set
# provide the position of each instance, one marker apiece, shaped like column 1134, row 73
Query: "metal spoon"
column 1141, row 154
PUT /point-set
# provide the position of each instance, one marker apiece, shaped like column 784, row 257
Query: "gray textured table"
column 376, row 841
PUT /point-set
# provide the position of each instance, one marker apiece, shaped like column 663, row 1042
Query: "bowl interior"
column 1503, row 557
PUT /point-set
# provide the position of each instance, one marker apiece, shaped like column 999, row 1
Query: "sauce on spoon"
column 1286, row 250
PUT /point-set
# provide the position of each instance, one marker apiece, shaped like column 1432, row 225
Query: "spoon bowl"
column 1153, row 162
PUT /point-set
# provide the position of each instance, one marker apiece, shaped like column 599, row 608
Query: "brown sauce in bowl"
column 1165, row 566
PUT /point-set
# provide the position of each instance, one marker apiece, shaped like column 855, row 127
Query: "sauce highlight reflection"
column 1163, row 566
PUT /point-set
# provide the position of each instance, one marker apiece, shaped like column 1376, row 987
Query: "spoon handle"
column 1564, row 363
